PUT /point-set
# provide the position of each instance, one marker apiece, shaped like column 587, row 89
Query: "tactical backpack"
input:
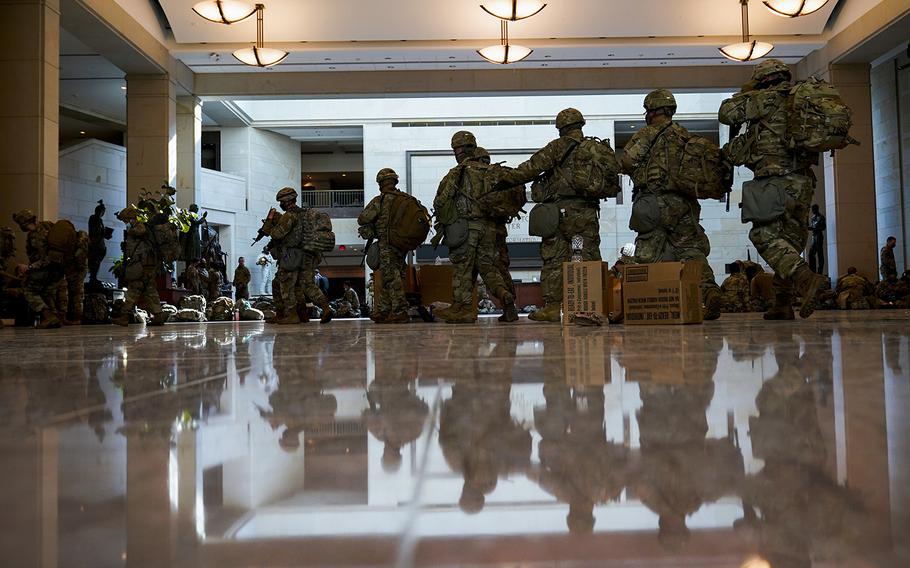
column 592, row 170
column 62, row 241
column 820, row 120
column 166, row 240
column 409, row 222
column 317, row 231
column 502, row 204
column 700, row 169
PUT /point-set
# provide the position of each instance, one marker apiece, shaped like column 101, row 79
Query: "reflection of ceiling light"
column 794, row 8
column 224, row 11
column 513, row 9
column 505, row 53
column 747, row 50
column 258, row 55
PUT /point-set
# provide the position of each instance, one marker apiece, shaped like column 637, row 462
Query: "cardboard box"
column 590, row 287
column 662, row 293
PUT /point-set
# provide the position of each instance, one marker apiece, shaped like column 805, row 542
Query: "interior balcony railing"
column 333, row 199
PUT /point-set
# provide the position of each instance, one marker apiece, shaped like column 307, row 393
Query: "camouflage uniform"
column 503, row 261
column 764, row 147
column 390, row 302
column 735, row 298
column 464, row 185
column 45, row 273
column 71, row 294
column 242, row 279
column 854, row 293
column 579, row 216
column 892, row 291
column 888, row 265
column 140, row 284
column 679, row 236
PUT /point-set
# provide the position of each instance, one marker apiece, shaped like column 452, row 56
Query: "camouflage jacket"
column 242, row 276
column 648, row 155
column 544, row 160
column 464, row 185
column 138, row 245
column 764, row 146
column 36, row 247
column 288, row 232
column 854, row 283
column 376, row 215
column 888, row 264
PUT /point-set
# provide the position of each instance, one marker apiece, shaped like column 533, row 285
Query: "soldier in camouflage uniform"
column 764, row 147
column 579, row 216
column 679, row 235
column 888, row 266
column 391, row 305
column 855, row 292
column 45, row 270
column 141, row 264
column 296, row 267
column 503, row 262
column 735, row 289
column 462, row 187
column 71, row 294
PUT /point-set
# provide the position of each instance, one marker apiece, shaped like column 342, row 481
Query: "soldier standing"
column 817, row 226
column 888, row 264
column 647, row 158
column 503, row 262
column 470, row 234
column 140, row 268
column 242, row 279
column 579, row 216
column 45, row 270
column 296, row 267
column 764, row 147
column 391, row 305
column 71, row 294
column 97, row 234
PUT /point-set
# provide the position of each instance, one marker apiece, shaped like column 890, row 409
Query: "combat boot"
column 327, row 312
column 509, row 313
column 549, row 313
column 711, row 310
column 303, row 313
column 460, row 313
column 49, row 320
column 400, row 317
column 122, row 320
column 379, row 317
column 782, row 310
column 807, row 284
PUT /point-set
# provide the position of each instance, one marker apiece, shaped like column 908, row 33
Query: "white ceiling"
column 409, row 20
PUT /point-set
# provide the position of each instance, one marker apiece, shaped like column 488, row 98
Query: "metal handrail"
column 322, row 198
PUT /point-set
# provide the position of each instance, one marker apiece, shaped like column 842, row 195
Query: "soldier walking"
column 45, row 269
column 141, row 263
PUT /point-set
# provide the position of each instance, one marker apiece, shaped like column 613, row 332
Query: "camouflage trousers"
column 40, row 289
column 295, row 287
column 391, row 300
column 680, row 237
column 782, row 241
column 71, row 294
column 143, row 291
column 503, row 262
column 478, row 256
column 577, row 219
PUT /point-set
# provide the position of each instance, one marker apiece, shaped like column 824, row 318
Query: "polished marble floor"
column 731, row 444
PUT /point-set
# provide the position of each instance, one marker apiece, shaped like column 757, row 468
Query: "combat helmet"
column 482, row 155
column 24, row 217
column 660, row 98
column 286, row 194
column 568, row 117
column 386, row 173
column 463, row 138
column 769, row 67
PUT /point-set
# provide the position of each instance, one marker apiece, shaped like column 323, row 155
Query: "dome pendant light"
column 794, row 8
column 224, row 11
column 504, row 53
column 747, row 50
column 259, row 55
column 513, row 10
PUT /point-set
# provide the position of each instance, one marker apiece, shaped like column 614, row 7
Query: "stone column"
column 151, row 133
column 189, row 150
column 849, row 182
column 29, row 107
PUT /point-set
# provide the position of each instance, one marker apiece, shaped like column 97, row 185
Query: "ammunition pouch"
column 456, row 233
column 372, row 255
column 645, row 213
column 765, row 200
column 543, row 221
column 447, row 212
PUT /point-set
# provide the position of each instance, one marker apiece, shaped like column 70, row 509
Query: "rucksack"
column 409, row 222
column 166, row 241
column 62, row 240
column 820, row 120
column 591, row 169
column 701, row 170
column 317, row 231
column 501, row 204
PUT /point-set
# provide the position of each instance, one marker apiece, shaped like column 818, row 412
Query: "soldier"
column 854, row 292
column 242, row 279
column 503, row 262
column 7, row 252
column 764, row 147
column 296, row 267
column 888, row 264
column 647, row 158
column 350, row 302
column 45, row 270
column 817, row 226
column 579, row 215
column 213, row 283
column 97, row 234
column 457, row 196
column 735, row 290
column 391, row 306
column 71, row 294
column 140, row 268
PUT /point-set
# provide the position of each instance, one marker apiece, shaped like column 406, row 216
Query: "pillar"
column 849, row 183
column 151, row 133
column 29, row 107
column 189, row 150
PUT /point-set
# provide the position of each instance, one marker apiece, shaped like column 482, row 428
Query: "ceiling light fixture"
column 747, row 50
column 259, row 55
column 224, row 11
column 504, row 53
column 794, row 8
column 513, row 10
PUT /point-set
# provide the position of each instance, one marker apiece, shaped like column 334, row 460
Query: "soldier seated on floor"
column 854, row 292
column 735, row 291
column 893, row 292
